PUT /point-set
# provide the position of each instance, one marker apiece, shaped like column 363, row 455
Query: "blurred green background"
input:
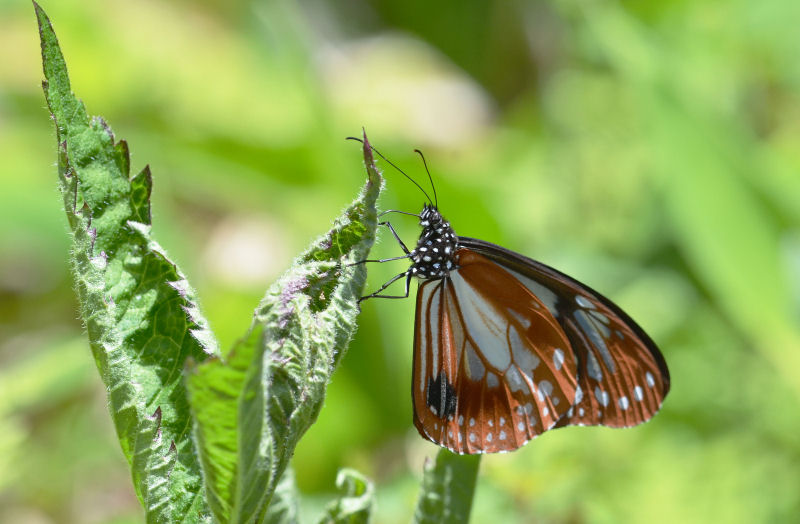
column 649, row 149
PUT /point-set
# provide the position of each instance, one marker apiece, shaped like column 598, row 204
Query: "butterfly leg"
column 407, row 274
column 378, row 260
column 396, row 236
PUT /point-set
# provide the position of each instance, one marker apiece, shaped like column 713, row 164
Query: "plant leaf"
column 447, row 488
column 356, row 502
column 283, row 508
column 140, row 314
column 252, row 407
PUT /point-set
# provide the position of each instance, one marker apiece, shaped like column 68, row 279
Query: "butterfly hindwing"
column 622, row 381
column 623, row 378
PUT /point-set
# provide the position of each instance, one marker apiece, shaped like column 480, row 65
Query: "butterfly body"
column 434, row 256
column 506, row 348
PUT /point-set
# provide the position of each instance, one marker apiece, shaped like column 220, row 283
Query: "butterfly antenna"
column 424, row 163
column 397, row 168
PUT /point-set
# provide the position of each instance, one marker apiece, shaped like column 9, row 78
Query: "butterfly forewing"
column 623, row 378
column 492, row 366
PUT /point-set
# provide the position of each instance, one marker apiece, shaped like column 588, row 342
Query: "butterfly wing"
column 622, row 375
column 492, row 366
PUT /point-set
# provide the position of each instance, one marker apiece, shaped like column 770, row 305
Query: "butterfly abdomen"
column 434, row 256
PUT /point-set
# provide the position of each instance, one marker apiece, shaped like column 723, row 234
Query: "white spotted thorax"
column 434, row 256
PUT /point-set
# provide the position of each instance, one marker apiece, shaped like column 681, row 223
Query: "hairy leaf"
column 252, row 407
column 140, row 314
column 283, row 508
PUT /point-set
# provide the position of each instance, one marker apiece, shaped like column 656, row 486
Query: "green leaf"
column 355, row 504
column 283, row 508
column 252, row 407
column 447, row 488
column 140, row 314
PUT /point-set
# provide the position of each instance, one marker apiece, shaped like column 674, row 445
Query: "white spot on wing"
column 545, row 390
column 472, row 437
column 650, row 380
column 623, row 403
column 593, row 367
column 578, row 394
column 529, row 378
column 514, row 379
column 583, row 302
column 523, row 321
column 638, row 394
column 597, row 334
column 601, row 396
column 521, row 426
column 471, row 422
column 488, row 437
column 558, row 359
column 502, row 435
column 602, row 318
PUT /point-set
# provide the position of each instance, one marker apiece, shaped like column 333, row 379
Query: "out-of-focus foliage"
column 649, row 149
column 355, row 504
column 448, row 487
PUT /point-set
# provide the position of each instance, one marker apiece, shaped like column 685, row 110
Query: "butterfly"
column 506, row 348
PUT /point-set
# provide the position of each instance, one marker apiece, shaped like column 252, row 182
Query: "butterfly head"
column 434, row 256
